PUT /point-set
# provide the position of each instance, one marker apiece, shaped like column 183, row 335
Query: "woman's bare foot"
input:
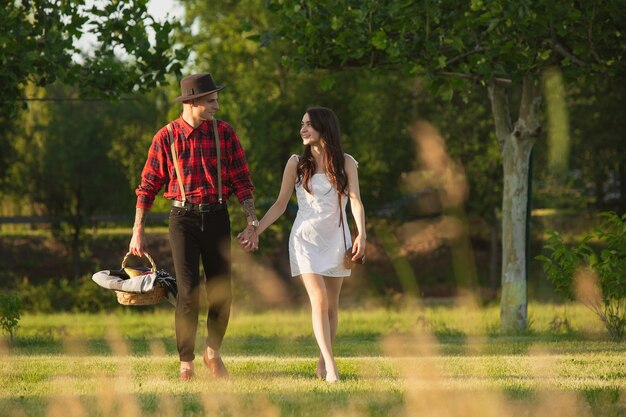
column 320, row 371
column 332, row 374
column 331, row 379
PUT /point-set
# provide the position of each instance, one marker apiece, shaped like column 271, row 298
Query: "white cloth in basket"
column 113, row 280
column 139, row 284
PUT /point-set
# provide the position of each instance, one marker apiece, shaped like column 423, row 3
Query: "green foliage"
column 611, row 264
column 470, row 141
column 265, row 100
column 496, row 43
column 39, row 45
column 562, row 265
column 596, row 178
column 597, row 162
column 80, row 166
column 266, row 95
column 61, row 294
column 482, row 40
column 449, row 44
column 562, row 262
column 10, row 312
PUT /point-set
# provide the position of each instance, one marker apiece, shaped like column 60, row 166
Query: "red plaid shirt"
column 199, row 172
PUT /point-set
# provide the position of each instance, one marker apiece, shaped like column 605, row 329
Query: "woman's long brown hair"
column 326, row 123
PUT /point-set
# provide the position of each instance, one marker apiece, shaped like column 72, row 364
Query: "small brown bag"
column 348, row 263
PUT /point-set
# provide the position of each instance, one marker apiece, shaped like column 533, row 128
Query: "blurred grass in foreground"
column 432, row 360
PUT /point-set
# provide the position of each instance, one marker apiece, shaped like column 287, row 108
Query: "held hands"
column 249, row 239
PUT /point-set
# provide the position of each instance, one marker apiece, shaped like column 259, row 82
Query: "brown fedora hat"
column 197, row 85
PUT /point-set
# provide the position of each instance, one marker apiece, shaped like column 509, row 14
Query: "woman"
column 324, row 178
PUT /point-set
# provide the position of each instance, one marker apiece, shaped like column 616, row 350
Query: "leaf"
column 476, row 5
column 493, row 24
column 544, row 55
column 336, row 23
column 327, row 83
column 379, row 41
column 447, row 94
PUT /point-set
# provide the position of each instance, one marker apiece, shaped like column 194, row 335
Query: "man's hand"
column 249, row 239
column 137, row 242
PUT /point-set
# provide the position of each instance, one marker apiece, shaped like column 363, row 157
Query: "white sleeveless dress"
column 315, row 244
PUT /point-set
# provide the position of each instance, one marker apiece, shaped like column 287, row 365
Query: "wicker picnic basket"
column 140, row 299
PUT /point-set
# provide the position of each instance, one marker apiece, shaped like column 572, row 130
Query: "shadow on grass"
column 317, row 402
column 603, row 402
column 41, row 345
column 346, row 345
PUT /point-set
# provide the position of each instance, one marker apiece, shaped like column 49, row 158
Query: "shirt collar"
column 186, row 127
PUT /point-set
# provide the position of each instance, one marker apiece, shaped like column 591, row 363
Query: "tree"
column 598, row 128
column 79, row 166
column 265, row 100
column 39, row 45
column 10, row 313
column 500, row 45
column 595, row 175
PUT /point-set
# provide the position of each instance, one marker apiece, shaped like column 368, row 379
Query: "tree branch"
column 560, row 49
column 474, row 77
column 530, row 106
column 468, row 53
column 500, row 111
column 75, row 99
column 589, row 32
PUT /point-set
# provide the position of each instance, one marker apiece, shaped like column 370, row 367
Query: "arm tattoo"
column 140, row 217
column 248, row 208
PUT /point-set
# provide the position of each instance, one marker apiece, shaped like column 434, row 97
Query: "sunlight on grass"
column 433, row 360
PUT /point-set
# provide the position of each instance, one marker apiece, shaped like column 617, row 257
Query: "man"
column 199, row 224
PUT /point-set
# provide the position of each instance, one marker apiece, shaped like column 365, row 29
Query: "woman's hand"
column 249, row 239
column 358, row 248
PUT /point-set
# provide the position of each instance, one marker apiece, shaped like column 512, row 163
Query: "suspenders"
column 218, row 150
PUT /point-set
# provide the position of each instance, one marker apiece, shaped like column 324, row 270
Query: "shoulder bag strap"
column 343, row 232
column 170, row 134
column 218, row 150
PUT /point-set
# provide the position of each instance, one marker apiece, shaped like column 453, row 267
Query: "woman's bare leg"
column 333, row 288
column 316, row 289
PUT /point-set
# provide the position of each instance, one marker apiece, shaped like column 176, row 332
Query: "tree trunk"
column 622, row 185
column 516, row 142
column 494, row 273
column 75, row 246
column 513, row 304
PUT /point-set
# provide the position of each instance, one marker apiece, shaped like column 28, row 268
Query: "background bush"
column 568, row 268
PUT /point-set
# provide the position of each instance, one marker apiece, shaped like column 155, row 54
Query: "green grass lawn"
column 431, row 361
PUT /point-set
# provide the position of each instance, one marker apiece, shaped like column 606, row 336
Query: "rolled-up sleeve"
column 154, row 173
column 239, row 173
